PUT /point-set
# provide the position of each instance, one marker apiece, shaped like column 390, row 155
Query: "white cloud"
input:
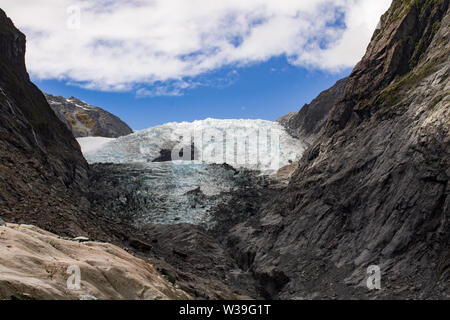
column 154, row 46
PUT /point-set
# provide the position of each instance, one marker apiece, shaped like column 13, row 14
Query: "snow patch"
column 87, row 108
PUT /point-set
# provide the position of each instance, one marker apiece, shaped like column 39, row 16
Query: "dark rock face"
column 12, row 44
column 373, row 188
column 307, row 122
column 85, row 120
column 42, row 169
column 196, row 251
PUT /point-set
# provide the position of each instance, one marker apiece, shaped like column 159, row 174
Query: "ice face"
column 162, row 193
column 141, row 191
column 253, row 144
column 91, row 144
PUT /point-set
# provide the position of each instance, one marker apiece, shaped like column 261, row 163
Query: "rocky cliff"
column 85, row 120
column 373, row 188
column 306, row 123
column 42, row 170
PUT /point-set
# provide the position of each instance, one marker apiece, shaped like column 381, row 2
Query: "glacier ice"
column 252, row 144
column 91, row 144
column 184, row 191
column 163, row 193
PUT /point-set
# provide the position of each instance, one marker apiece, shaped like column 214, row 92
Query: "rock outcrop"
column 373, row 188
column 85, row 120
column 36, row 264
column 306, row 123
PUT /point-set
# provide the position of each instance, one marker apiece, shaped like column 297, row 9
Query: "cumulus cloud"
column 162, row 47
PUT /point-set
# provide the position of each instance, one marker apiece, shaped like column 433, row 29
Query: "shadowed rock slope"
column 42, row 170
column 85, row 120
column 373, row 189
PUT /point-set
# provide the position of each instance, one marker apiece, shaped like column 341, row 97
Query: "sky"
column 157, row 61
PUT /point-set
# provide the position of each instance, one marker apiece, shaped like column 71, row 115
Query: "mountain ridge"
column 307, row 122
column 85, row 120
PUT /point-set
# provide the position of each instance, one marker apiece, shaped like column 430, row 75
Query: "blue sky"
column 262, row 91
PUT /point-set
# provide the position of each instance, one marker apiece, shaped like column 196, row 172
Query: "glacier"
column 252, row 144
column 184, row 190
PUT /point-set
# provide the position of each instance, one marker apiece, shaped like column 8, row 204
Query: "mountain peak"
column 411, row 44
column 85, row 120
column 12, row 45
